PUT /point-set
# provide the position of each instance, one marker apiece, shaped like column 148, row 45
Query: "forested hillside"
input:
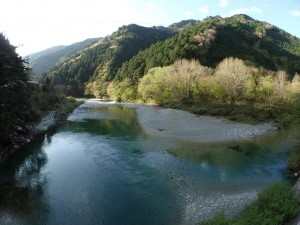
column 100, row 62
column 42, row 62
column 117, row 62
column 215, row 38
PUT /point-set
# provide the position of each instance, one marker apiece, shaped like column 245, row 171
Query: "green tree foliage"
column 122, row 90
column 15, row 92
column 233, row 86
column 155, row 86
column 177, row 82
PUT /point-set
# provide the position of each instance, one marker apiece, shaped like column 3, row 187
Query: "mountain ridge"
column 124, row 54
column 101, row 60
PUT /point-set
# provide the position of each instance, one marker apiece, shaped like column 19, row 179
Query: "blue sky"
column 34, row 25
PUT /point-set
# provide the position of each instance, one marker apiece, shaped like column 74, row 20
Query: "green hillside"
column 215, row 38
column 129, row 53
column 101, row 61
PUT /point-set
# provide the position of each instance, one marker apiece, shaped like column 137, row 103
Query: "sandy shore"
column 185, row 126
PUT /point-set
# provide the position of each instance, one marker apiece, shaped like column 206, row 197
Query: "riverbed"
column 125, row 164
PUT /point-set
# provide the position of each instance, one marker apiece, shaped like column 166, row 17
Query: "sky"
column 35, row 25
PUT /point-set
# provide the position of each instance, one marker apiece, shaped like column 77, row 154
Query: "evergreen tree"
column 14, row 91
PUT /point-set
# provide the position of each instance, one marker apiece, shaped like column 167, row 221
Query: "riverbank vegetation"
column 275, row 205
column 235, row 89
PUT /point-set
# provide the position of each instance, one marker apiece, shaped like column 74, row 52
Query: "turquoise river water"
column 100, row 167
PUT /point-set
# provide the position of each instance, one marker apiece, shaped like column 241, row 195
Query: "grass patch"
column 275, row 205
column 242, row 112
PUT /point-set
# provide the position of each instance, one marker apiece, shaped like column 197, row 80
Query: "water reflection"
column 115, row 121
column 263, row 159
column 231, row 155
column 22, row 188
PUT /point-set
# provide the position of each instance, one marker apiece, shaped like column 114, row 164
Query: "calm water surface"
column 100, row 167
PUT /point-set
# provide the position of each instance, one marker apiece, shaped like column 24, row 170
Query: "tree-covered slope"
column 15, row 93
column 102, row 60
column 216, row 38
column 41, row 62
column 182, row 25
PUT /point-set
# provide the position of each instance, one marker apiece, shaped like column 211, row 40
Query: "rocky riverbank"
column 27, row 132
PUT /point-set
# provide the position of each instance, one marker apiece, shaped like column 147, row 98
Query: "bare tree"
column 281, row 85
column 233, row 75
column 205, row 39
column 295, row 85
column 185, row 76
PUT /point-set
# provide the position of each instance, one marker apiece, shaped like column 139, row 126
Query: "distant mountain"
column 100, row 62
column 132, row 50
column 41, row 62
column 51, row 50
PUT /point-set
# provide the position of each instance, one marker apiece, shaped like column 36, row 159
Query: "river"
column 101, row 167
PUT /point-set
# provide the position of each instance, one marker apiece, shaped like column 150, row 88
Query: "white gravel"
column 185, row 126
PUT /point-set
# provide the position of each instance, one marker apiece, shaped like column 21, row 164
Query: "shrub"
column 275, row 205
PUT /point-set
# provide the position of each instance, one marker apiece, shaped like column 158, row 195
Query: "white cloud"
column 296, row 13
column 203, row 9
column 223, row 3
column 252, row 9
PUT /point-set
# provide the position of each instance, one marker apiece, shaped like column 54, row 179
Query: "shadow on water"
column 22, row 187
